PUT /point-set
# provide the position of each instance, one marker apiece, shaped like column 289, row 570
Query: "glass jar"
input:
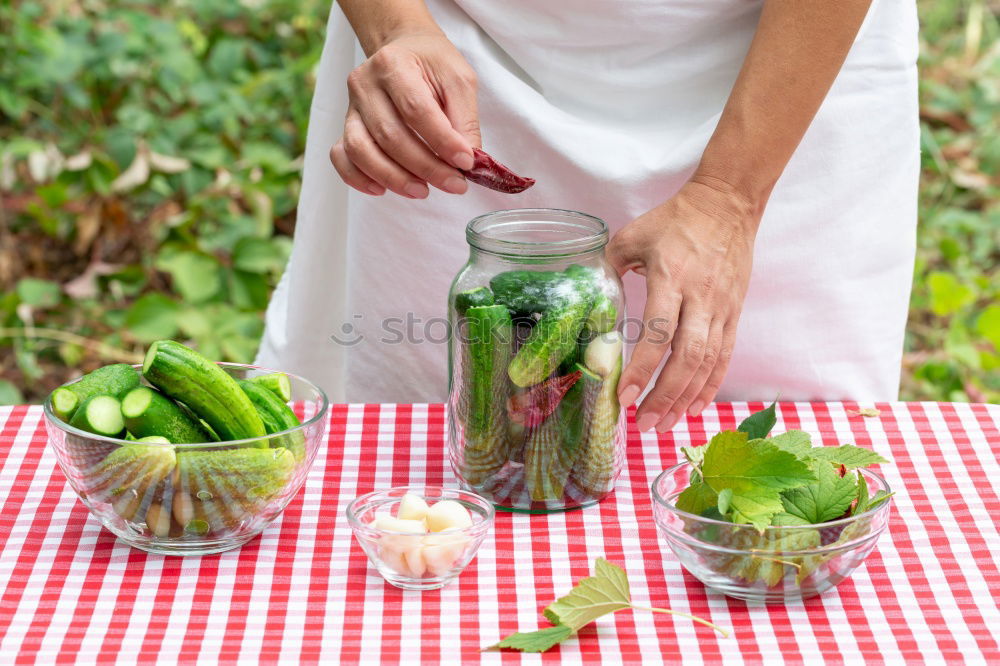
column 535, row 355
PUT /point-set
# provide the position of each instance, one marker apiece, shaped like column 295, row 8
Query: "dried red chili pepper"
column 533, row 406
column 487, row 172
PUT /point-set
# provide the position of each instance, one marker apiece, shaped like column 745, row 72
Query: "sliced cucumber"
column 276, row 382
column 101, row 415
column 207, row 389
column 149, row 412
column 64, row 402
column 154, row 439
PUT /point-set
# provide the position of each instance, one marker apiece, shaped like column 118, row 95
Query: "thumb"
column 623, row 254
column 461, row 108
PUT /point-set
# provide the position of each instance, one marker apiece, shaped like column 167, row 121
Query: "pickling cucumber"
column 230, row 486
column 101, row 415
column 278, row 414
column 602, row 317
column 594, row 470
column 276, row 382
column 64, row 402
column 154, row 439
column 573, row 411
column 208, row 390
column 552, row 339
column 533, row 292
column 473, row 298
column 149, row 412
column 484, row 389
column 114, row 380
column 134, row 468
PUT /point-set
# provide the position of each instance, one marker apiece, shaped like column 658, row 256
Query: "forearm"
column 796, row 53
column 376, row 22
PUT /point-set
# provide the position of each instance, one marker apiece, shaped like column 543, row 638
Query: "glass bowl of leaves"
column 771, row 519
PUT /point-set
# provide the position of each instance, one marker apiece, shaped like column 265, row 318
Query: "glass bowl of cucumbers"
column 420, row 538
column 182, row 455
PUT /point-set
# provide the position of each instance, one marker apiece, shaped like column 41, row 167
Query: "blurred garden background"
column 150, row 156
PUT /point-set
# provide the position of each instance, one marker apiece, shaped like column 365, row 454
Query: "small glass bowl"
column 779, row 565
column 192, row 499
column 419, row 561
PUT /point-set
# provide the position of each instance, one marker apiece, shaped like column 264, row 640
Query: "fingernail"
column 628, row 396
column 646, row 421
column 667, row 423
column 416, row 190
column 462, row 160
column 377, row 190
column 696, row 407
column 455, row 185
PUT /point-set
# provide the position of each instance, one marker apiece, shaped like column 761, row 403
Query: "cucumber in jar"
column 486, row 351
column 594, row 470
column 527, row 293
column 552, row 340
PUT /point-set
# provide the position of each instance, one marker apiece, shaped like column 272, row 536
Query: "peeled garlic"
column 446, row 515
column 412, row 507
column 414, row 559
column 443, row 551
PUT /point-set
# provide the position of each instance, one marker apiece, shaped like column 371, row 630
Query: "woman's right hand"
column 411, row 119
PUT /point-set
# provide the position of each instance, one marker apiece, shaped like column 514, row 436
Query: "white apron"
column 609, row 104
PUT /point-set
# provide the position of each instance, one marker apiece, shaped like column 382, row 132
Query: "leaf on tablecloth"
column 607, row 591
column 869, row 412
column 534, row 641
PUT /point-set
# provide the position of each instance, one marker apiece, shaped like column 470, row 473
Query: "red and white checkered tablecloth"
column 304, row 592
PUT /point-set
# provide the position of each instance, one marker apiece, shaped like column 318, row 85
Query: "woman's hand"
column 411, row 120
column 695, row 252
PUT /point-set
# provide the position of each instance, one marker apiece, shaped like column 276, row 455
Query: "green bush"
column 150, row 157
column 953, row 337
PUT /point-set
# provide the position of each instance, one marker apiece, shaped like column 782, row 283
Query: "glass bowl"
column 419, row 561
column 779, row 565
column 192, row 499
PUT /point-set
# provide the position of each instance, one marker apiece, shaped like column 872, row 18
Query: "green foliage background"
column 150, row 156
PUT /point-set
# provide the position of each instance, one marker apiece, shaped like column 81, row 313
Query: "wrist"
column 378, row 33
column 729, row 203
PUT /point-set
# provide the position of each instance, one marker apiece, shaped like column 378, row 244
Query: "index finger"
column 422, row 112
column 659, row 320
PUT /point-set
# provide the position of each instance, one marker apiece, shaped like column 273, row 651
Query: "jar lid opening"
column 537, row 232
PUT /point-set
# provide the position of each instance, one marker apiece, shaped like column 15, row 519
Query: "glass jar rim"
column 587, row 233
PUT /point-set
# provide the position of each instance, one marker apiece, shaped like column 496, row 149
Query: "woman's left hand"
column 695, row 252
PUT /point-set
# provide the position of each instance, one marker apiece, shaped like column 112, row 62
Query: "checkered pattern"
column 304, row 592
